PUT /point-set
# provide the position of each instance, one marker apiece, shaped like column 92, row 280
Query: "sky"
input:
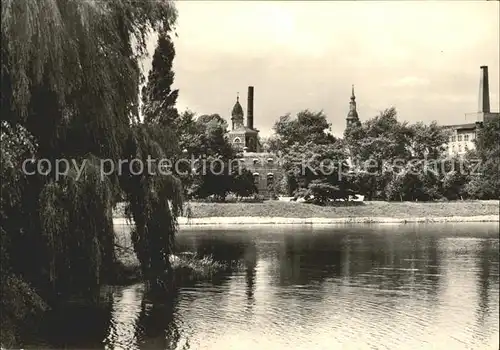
column 421, row 57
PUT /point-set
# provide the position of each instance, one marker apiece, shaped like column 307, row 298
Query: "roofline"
column 461, row 126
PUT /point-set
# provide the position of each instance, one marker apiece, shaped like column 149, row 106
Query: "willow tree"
column 70, row 76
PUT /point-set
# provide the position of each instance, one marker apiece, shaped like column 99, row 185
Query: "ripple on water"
column 403, row 291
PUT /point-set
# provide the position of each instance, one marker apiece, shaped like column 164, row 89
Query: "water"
column 344, row 287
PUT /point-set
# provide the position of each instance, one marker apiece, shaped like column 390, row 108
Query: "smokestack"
column 250, row 108
column 484, row 91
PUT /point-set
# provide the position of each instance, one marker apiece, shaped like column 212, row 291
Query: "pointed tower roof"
column 237, row 112
column 353, row 113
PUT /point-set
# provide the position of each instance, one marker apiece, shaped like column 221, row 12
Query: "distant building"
column 265, row 166
column 352, row 117
column 463, row 135
column 244, row 138
column 461, row 139
column 352, row 120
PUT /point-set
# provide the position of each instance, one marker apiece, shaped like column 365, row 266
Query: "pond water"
column 340, row 287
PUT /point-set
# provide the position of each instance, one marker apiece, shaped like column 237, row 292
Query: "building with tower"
column 244, row 137
column 265, row 166
column 352, row 117
column 462, row 135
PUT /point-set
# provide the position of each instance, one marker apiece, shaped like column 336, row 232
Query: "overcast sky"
column 421, row 57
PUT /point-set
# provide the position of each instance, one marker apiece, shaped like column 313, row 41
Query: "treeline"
column 384, row 159
column 381, row 159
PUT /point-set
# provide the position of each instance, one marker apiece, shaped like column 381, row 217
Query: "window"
column 466, row 137
column 269, row 161
column 453, row 138
column 236, row 140
column 255, row 161
column 453, row 148
column 270, row 179
column 466, row 147
column 460, row 148
column 459, row 137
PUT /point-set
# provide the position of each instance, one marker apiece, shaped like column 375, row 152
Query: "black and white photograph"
column 241, row 175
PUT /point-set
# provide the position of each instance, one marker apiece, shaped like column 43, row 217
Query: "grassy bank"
column 396, row 210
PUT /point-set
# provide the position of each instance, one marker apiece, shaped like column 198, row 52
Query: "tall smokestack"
column 484, row 91
column 250, row 108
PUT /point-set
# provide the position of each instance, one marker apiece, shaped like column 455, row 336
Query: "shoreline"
column 262, row 220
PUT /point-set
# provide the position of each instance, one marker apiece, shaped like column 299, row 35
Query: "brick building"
column 265, row 166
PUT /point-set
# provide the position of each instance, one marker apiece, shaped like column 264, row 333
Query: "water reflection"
column 73, row 325
column 378, row 261
column 410, row 286
column 126, row 308
column 487, row 278
column 250, row 262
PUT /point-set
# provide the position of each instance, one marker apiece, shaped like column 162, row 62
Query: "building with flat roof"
column 462, row 136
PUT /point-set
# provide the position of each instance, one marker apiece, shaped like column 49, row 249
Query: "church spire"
column 352, row 116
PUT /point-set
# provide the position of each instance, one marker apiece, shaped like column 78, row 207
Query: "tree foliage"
column 243, row 183
column 391, row 157
column 307, row 127
column 319, row 171
column 18, row 304
column 392, row 160
column 211, row 157
column 70, row 78
column 155, row 201
column 158, row 98
column 487, row 184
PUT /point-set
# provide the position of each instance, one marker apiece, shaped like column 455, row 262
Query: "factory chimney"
column 250, row 108
column 484, row 91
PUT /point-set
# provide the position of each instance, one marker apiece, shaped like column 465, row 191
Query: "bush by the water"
column 191, row 266
column 185, row 266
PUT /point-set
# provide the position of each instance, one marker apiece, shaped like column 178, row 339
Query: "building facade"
column 267, row 171
column 461, row 139
column 462, row 136
column 266, row 167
